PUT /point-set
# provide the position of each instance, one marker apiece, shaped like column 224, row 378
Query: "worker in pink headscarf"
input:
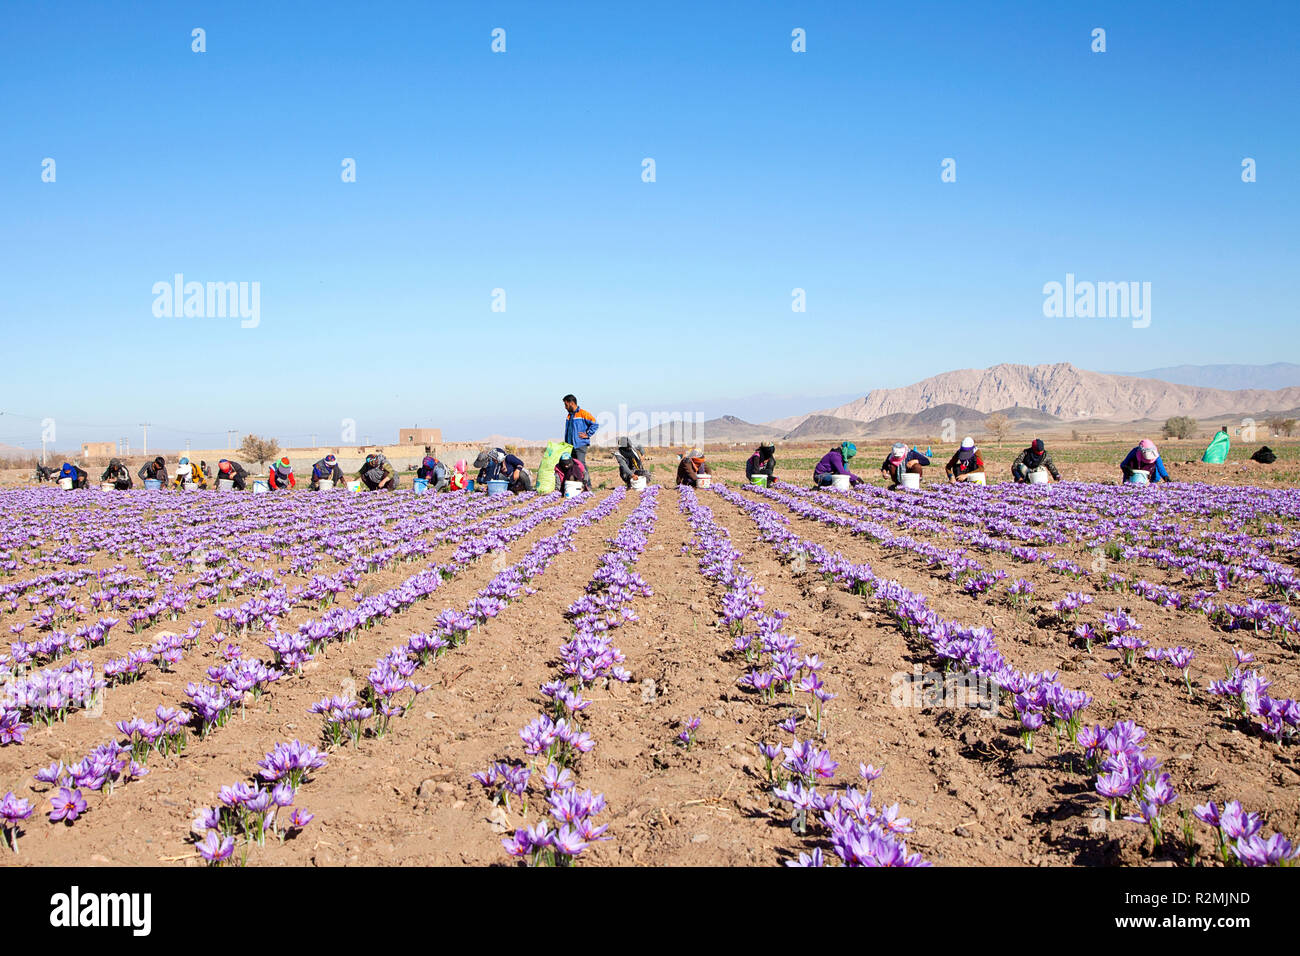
column 1145, row 458
column 458, row 477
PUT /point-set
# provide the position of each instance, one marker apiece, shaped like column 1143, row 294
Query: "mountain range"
column 1031, row 396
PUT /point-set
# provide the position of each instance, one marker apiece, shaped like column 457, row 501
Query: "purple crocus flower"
column 67, row 805
column 215, row 848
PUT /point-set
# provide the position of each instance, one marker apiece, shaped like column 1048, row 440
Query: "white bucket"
column 260, row 487
column 108, row 486
column 325, row 484
column 976, row 478
column 639, row 483
column 354, row 485
column 843, row 482
column 572, row 489
column 190, row 486
column 910, row 480
column 703, row 481
column 1039, row 476
column 225, row 484
column 65, row 484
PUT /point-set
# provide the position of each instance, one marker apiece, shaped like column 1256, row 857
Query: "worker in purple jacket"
column 835, row 462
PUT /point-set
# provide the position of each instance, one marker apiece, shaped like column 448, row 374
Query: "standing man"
column 579, row 428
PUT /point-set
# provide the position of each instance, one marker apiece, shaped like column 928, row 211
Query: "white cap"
column 968, row 442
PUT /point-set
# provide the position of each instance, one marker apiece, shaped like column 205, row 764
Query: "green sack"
column 1217, row 453
column 546, row 470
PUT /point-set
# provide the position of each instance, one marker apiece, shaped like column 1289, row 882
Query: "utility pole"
column 42, row 450
column 145, row 426
column 187, row 446
column 230, row 439
column 313, row 440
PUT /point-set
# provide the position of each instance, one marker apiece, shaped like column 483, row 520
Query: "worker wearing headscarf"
column 902, row 459
column 459, row 479
column 631, row 463
column 1145, row 457
column 836, row 462
column 762, row 462
column 189, row 472
column 79, row 477
column 965, row 462
column 1031, row 459
column 692, row 467
column 233, row 472
column 327, row 469
column 377, row 474
column 434, row 472
column 569, row 468
column 280, row 477
column 118, row 474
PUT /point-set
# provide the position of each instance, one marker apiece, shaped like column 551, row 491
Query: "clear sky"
column 522, row 171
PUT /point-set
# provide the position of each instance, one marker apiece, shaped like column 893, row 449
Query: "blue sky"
column 522, row 171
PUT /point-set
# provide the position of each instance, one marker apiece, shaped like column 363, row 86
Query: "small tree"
column 1180, row 426
column 999, row 425
column 1281, row 426
column 260, row 450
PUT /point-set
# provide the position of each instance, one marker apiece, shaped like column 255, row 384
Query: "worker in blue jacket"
column 579, row 428
column 1147, row 459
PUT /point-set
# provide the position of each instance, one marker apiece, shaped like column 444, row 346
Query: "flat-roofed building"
column 409, row 437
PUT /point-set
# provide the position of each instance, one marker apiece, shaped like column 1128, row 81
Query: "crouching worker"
column 762, row 462
column 490, row 464
column 155, row 470
column 1032, row 459
column 280, row 477
column 327, row 469
column 569, row 468
column 965, row 463
column 434, row 472
column 692, row 468
column 233, row 472
column 377, row 474
column 118, row 474
column 631, row 461
column 1146, row 459
column 902, row 460
column 189, row 473
column 836, row 462
column 514, row 472
column 79, row 477
column 459, row 478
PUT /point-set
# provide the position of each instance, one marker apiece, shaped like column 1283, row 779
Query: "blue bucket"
column 1139, row 478
column 152, row 484
column 469, row 485
column 420, row 485
column 497, row 487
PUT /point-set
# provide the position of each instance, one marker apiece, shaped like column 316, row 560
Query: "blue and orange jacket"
column 579, row 421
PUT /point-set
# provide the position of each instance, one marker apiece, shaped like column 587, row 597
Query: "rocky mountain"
column 1061, row 391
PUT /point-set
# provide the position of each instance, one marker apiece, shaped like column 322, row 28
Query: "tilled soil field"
column 740, row 676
